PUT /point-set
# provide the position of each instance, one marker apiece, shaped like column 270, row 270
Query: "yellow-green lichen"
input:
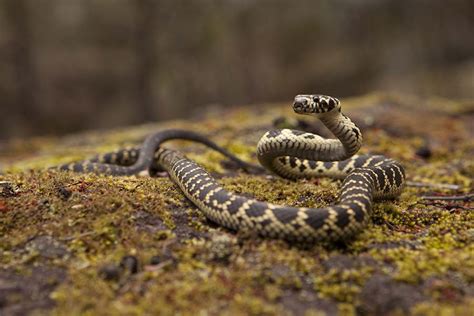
column 85, row 225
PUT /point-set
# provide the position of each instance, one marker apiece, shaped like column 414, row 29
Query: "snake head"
column 315, row 104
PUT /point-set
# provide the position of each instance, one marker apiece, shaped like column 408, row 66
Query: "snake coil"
column 288, row 153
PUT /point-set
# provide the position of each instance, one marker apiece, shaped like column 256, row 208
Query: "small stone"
column 424, row 152
column 8, row 189
column 156, row 260
column 64, row 193
column 109, row 272
column 130, row 264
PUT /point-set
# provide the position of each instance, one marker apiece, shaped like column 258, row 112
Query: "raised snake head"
column 315, row 104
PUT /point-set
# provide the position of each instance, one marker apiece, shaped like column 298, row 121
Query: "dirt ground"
column 89, row 244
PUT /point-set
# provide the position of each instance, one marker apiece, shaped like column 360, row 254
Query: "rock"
column 47, row 247
column 110, row 272
column 381, row 295
column 129, row 264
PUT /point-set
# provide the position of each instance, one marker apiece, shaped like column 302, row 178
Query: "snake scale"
column 288, row 153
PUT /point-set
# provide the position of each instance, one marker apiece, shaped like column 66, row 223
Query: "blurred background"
column 69, row 65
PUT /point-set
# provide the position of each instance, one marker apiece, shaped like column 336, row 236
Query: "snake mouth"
column 301, row 105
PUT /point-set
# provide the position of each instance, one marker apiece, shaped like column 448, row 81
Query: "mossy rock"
column 88, row 244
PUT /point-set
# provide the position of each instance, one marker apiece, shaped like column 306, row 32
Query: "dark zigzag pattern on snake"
column 288, row 153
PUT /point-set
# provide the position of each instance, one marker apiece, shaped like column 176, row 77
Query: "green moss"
column 202, row 268
column 435, row 309
column 342, row 285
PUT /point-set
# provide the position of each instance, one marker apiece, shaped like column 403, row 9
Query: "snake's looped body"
column 289, row 153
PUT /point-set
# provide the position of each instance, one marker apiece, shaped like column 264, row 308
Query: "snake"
column 288, row 153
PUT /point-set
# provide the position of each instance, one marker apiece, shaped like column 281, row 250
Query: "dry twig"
column 433, row 185
column 465, row 198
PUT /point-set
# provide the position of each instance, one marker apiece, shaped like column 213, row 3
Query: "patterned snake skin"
column 288, row 153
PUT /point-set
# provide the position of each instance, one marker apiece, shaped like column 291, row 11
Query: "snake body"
column 288, row 153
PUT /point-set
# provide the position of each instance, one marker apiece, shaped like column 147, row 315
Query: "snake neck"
column 283, row 143
column 346, row 131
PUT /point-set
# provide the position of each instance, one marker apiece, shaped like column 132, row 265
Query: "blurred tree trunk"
column 144, row 46
column 21, row 56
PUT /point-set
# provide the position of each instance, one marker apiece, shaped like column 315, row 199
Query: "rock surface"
column 64, row 237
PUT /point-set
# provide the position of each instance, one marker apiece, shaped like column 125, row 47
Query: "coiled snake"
column 288, row 153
